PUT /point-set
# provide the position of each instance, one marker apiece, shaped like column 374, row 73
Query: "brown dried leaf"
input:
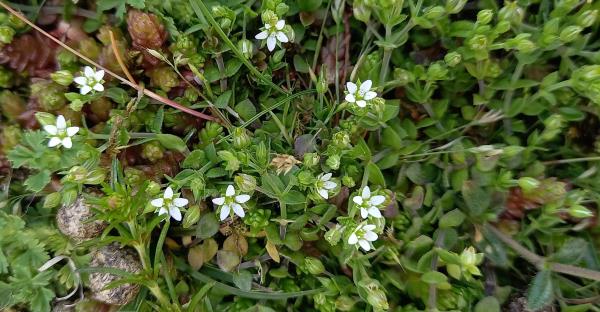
column 272, row 251
column 237, row 244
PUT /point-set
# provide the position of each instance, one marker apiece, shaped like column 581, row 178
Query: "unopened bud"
column 455, row 6
column 241, row 139
column 6, row 34
column 246, row 183
column 314, row 266
column 484, row 17
column 587, row 18
column 62, row 77
column 452, row 59
column 246, row 47
column 434, row 13
column 528, row 184
column 333, row 162
column 570, row 33
column 311, row 159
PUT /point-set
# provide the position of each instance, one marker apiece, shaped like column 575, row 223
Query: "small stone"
column 113, row 256
column 75, row 221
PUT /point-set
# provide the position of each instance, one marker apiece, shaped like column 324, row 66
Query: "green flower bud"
column 321, row 84
column 6, row 34
column 333, row 162
column 512, row 13
column 361, row 11
column 152, row 151
column 62, row 77
column 185, row 45
column 281, row 9
column 484, row 17
column 348, row 181
column 376, row 297
column 269, row 17
column 525, row 46
column 341, row 139
column 555, row 121
column 76, row 174
column 345, row 303
column 478, row 42
column 95, row 176
column 435, row 12
column 311, row 160
column 502, row 27
column 262, row 155
column 528, row 184
column 403, row 76
column 52, row 200
column 587, row 18
column 245, row 183
column 579, row 211
column 570, row 33
column 241, row 139
column 153, row 188
column 455, row 6
column 452, row 59
column 192, row 216
column 437, row 71
column 314, row 266
column 67, row 59
column 133, row 176
column 305, row 177
column 334, row 235
column 50, row 95
column 246, row 47
column 16, row 22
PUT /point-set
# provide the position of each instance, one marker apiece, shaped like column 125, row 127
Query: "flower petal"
column 54, row 141
column 158, row 202
column 324, row 193
column 267, row 26
column 350, row 98
column 370, row 236
column 262, row 35
column 369, row 227
column 364, row 244
column 180, row 202
column 175, row 213
column 242, row 198
column 281, row 37
column 61, row 123
column 162, row 211
column 81, row 80
column 230, row 190
column 98, row 87
column 370, row 95
column 224, row 212
column 377, row 200
column 280, row 24
column 238, row 210
column 357, row 200
column 71, row 131
column 168, row 193
column 366, row 192
column 361, row 103
column 51, row 129
column 326, row 177
column 99, row 75
column 374, row 212
column 364, row 213
column 88, row 72
column 85, row 89
column 329, row 185
column 353, row 239
column 365, row 87
column 271, row 42
column 351, row 87
column 67, row 143
column 218, row 201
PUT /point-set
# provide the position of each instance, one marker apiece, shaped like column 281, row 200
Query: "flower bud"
column 452, row 59
column 403, row 76
column 241, row 139
column 570, row 33
column 192, row 216
column 587, row 18
column 348, row 181
column 262, row 155
column 6, row 34
column 478, row 42
column 484, row 17
column 153, row 188
column 344, row 303
column 333, row 162
column 334, row 235
column 306, row 178
column 341, row 139
column 95, row 176
column 311, row 160
column 76, row 174
column 437, row 71
column 512, row 13
column 434, row 13
column 455, row 6
column 376, row 297
column 52, row 200
column 246, row 47
column 579, row 211
column 314, row 266
column 246, row 183
column 525, row 46
column 361, row 11
column 321, row 84
column 502, row 27
column 555, row 121
column 269, row 17
column 528, row 184
column 62, row 77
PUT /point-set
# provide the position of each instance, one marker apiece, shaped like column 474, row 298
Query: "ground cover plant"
column 299, row 155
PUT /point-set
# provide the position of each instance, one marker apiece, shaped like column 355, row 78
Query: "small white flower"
column 369, row 205
column 363, row 235
column 60, row 134
column 324, row 185
column 169, row 205
column 91, row 80
column 231, row 202
column 360, row 95
column 273, row 33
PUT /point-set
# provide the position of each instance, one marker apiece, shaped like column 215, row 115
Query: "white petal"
column 329, row 185
column 370, row 236
column 67, row 143
column 369, row 227
column 280, row 24
column 99, row 75
column 81, row 80
column 326, row 177
column 357, row 200
column 377, row 200
column 61, row 122
column 262, row 35
column 98, row 87
column 374, row 212
column 366, row 192
column 365, row 86
column 364, row 244
column 158, row 202
column 267, row 26
column 168, row 193
column 51, row 129
column 281, row 37
column 361, row 103
column 230, row 191
column 351, row 87
column 85, row 89
column 54, row 141
column 238, row 210
column 271, row 42
column 364, row 213
column 88, row 72
column 218, row 201
column 162, row 211
column 224, row 212
column 324, row 193
column 242, row 198
column 350, row 98
column 175, row 213
column 353, row 239
column 71, row 131
column 370, row 95
column 180, row 202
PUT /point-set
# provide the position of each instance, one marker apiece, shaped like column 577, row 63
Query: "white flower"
column 360, row 94
column 363, row 235
column 60, row 134
column 273, row 33
column 231, row 202
column 369, row 204
column 170, row 205
column 324, row 185
column 91, row 80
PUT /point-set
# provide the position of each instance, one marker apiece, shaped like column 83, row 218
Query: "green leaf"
column 476, row 198
column 245, row 109
column 171, row 142
column 38, row 181
column 452, row 218
column 434, row 277
column 118, row 95
column 375, row 175
column 207, row 226
column 195, row 159
column 488, row 304
column 243, row 280
column 300, row 64
column 223, row 100
column 293, row 197
column 541, row 291
column 40, row 299
column 216, row 173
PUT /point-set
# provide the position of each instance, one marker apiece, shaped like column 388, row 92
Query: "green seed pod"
column 246, row 47
column 62, row 77
column 241, row 139
column 452, row 59
column 587, row 18
column 455, row 6
column 435, row 12
column 345, row 303
column 403, row 76
column 348, row 181
column 484, row 17
column 528, row 184
column 579, row 211
column 570, row 33
column 314, row 266
column 511, row 12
